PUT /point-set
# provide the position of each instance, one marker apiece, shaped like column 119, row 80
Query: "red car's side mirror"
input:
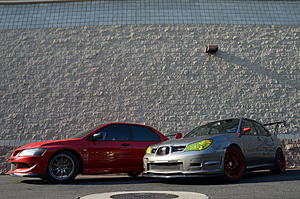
column 178, row 135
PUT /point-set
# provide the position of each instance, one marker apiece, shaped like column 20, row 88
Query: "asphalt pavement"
column 255, row 185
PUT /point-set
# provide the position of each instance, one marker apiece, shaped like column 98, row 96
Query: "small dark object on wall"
column 211, row 48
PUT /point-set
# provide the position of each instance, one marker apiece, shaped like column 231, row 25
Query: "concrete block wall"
column 57, row 82
column 5, row 152
column 292, row 152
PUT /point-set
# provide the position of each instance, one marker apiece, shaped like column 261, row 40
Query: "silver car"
column 228, row 147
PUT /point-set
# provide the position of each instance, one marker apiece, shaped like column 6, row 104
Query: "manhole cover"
column 144, row 196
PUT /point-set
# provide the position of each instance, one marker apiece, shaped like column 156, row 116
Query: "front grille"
column 178, row 148
column 15, row 166
column 165, row 166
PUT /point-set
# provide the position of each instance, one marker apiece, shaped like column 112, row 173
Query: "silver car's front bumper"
column 184, row 164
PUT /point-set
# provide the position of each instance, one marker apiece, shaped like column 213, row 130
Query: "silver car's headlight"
column 198, row 146
column 29, row 152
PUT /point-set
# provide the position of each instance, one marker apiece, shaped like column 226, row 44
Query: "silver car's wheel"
column 279, row 162
column 63, row 167
column 234, row 164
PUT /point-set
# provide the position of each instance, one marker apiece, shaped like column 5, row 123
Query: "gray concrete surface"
column 114, row 12
column 256, row 185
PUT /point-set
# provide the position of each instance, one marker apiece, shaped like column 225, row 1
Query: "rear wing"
column 277, row 125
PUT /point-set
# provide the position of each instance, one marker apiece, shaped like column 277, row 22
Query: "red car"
column 110, row 148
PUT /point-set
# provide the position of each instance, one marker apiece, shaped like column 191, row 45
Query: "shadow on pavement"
column 95, row 180
column 253, row 177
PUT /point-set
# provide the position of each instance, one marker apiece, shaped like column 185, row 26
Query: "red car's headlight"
column 30, row 152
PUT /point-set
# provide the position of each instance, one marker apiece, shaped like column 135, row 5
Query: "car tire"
column 133, row 174
column 279, row 162
column 63, row 167
column 234, row 164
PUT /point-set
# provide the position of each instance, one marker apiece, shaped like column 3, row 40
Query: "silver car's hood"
column 181, row 142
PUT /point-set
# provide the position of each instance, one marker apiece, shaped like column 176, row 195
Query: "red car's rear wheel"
column 134, row 174
column 234, row 164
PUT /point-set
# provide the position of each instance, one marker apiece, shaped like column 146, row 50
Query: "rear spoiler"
column 277, row 125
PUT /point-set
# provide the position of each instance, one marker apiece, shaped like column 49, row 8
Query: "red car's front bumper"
column 28, row 166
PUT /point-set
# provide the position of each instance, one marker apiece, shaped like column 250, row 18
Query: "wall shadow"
column 257, row 68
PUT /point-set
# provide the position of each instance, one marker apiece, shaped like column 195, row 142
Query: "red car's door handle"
column 125, row 144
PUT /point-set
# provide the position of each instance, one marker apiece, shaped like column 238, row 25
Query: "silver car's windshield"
column 214, row 128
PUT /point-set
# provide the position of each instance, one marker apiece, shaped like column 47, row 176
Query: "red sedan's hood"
column 47, row 143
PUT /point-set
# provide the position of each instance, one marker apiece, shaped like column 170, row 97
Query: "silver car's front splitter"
column 180, row 175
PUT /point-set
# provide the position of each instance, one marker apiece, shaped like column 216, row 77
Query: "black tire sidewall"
column 133, row 174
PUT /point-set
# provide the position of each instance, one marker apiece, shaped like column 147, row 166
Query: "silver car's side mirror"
column 178, row 135
column 245, row 130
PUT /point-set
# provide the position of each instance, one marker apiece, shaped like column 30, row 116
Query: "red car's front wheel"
column 234, row 164
column 63, row 167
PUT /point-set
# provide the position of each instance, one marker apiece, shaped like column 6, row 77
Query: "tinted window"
column 261, row 131
column 116, row 132
column 249, row 124
column 140, row 133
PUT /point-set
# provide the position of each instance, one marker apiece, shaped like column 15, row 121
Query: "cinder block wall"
column 60, row 81
column 292, row 152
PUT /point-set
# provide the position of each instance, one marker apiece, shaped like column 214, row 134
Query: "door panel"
column 112, row 152
column 120, row 148
column 268, row 145
column 252, row 145
column 102, row 155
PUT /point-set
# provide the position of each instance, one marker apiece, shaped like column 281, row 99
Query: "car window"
column 116, row 132
column 214, row 128
column 261, row 131
column 140, row 133
column 249, row 124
